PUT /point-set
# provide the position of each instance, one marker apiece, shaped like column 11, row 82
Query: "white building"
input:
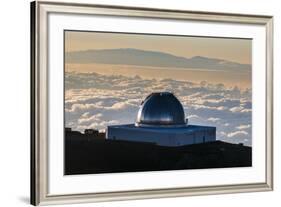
column 161, row 120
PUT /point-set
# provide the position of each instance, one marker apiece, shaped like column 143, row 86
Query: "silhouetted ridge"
column 90, row 152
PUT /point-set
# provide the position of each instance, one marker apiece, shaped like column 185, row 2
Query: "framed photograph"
column 134, row 103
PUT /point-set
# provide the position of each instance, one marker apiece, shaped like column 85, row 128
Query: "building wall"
column 160, row 136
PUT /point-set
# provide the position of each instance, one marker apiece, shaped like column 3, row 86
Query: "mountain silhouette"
column 131, row 56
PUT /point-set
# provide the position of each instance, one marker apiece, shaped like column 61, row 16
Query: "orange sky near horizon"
column 236, row 50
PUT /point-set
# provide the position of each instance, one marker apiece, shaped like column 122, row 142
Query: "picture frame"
column 46, row 188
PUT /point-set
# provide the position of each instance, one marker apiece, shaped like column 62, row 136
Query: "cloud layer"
column 95, row 101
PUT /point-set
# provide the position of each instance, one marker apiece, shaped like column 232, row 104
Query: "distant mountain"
column 130, row 56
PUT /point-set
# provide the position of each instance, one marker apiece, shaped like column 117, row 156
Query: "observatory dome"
column 161, row 109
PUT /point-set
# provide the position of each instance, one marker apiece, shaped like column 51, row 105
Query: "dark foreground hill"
column 85, row 154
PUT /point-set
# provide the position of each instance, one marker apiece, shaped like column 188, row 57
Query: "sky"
column 108, row 54
column 237, row 50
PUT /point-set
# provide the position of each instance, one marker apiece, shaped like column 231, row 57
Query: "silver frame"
column 39, row 100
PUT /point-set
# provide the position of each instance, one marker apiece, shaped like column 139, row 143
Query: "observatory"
column 161, row 120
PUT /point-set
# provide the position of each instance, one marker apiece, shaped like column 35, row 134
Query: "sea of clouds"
column 95, row 101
